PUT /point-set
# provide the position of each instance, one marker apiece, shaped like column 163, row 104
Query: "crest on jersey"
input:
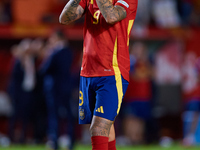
column 81, row 114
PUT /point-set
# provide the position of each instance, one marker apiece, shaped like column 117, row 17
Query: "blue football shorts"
column 100, row 96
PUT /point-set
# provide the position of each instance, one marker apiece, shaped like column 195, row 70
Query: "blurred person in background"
column 5, row 12
column 143, row 18
column 143, row 13
column 185, row 10
column 57, row 87
column 191, row 95
column 28, row 118
column 39, row 104
column 137, row 105
column 195, row 15
column 21, row 86
column 167, row 109
column 165, row 13
column 189, row 12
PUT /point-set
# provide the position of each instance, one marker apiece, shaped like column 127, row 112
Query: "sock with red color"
column 111, row 145
column 99, row 142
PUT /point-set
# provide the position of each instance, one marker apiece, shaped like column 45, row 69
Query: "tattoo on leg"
column 100, row 127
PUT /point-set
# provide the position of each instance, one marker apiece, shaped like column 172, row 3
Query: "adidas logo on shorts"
column 100, row 109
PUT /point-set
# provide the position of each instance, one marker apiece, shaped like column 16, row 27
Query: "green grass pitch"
column 84, row 147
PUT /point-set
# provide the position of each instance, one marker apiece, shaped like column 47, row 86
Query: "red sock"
column 99, row 142
column 111, row 145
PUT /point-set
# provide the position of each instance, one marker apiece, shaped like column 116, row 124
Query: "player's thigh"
column 109, row 95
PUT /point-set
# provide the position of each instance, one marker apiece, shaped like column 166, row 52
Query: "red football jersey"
column 106, row 46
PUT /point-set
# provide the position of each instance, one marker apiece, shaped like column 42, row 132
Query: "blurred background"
column 39, row 75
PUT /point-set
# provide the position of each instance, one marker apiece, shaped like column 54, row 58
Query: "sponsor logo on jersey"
column 107, row 69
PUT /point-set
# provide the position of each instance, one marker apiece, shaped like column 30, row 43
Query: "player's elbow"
column 110, row 20
column 62, row 20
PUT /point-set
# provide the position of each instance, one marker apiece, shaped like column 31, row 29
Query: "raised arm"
column 71, row 12
column 111, row 13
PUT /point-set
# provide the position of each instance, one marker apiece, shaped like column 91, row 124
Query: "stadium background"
column 168, row 29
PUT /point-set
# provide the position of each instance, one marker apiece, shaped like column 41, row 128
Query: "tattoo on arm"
column 71, row 12
column 111, row 13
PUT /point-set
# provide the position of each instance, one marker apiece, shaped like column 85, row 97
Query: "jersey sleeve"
column 129, row 5
column 83, row 4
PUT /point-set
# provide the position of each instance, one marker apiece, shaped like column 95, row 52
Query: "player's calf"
column 99, row 130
